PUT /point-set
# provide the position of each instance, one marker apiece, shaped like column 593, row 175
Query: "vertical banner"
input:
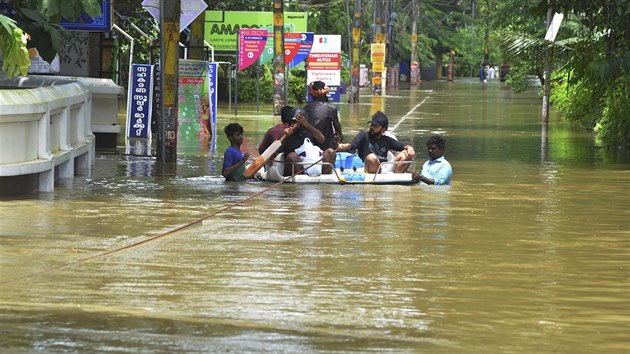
column 192, row 78
column 212, row 74
column 139, row 107
column 251, row 46
column 324, row 63
column 306, row 43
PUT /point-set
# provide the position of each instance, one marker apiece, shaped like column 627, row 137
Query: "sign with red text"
column 251, row 43
column 324, row 60
column 292, row 42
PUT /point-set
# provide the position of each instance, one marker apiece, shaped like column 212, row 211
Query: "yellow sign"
column 378, row 67
column 414, row 38
column 278, row 19
column 377, row 80
column 378, row 52
column 356, row 33
column 380, row 38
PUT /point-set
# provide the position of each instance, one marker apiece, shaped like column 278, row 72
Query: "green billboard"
column 221, row 27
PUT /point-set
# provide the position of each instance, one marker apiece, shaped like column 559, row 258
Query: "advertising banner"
column 324, row 63
column 211, row 75
column 251, row 46
column 139, row 107
column 192, row 85
column 222, row 27
column 292, row 42
column 306, row 43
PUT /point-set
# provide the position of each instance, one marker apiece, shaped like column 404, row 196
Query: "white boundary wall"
column 45, row 127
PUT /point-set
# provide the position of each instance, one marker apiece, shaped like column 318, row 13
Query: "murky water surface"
column 528, row 251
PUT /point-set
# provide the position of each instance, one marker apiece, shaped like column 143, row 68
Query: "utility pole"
column 547, row 84
column 472, row 40
column 279, row 94
column 415, row 68
column 169, row 62
column 356, row 37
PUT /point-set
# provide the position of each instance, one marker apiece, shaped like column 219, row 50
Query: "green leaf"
column 16, row 59
column 92, row 8
column 48, row 7
column 71, row 9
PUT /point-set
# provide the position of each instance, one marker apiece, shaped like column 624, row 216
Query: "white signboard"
column 552, row 31
column 326, row 55
column 190, row 10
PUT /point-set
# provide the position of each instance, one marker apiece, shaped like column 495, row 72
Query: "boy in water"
column 233, row 159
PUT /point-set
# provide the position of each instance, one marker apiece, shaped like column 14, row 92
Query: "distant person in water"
column 233, row 159
column 436, row 171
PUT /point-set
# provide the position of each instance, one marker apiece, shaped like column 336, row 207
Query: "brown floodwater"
column 528, row 251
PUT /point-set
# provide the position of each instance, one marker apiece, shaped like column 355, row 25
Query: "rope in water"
column 153, row 238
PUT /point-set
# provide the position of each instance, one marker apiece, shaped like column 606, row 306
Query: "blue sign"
column 212, row 72
column 306, row 43
column 139, row 105
column 86, row 23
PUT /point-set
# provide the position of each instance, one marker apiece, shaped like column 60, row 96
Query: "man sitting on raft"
column 372, row 146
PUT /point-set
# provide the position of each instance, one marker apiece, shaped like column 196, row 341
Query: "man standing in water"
column 323, row 116
column 373, row 146
column 436, row 171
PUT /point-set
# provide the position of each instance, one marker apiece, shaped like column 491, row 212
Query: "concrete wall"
column 45, row 133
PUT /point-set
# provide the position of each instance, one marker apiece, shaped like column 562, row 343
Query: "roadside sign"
column 190, row 10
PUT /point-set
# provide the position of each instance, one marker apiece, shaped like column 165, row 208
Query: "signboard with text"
column 221, row 27
column 251, row 46
column 192, row 78
column 306, row 43
column 139, row 105
column 324, row 62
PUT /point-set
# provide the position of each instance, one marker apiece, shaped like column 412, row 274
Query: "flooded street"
column 527, row 252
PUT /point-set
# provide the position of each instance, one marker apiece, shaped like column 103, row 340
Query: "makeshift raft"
column 348, row 169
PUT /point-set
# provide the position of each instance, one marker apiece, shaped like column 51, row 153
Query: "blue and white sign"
column 212, row 74
column 139, row 105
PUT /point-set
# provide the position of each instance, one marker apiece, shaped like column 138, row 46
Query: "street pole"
column 356, row 37
column 279, row 94
column 169, row 62
column 472, row 40
column 547, row 94
column 413, row 62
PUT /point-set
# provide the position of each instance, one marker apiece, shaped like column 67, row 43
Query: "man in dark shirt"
column 372, row 146
column 299, row 130
column 323, row 116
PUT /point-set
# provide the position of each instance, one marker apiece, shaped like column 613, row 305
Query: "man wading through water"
column 323, row 116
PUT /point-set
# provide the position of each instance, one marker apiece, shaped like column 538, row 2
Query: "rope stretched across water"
column 156, row 237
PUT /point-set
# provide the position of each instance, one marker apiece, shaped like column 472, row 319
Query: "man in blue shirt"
column 436, row 171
